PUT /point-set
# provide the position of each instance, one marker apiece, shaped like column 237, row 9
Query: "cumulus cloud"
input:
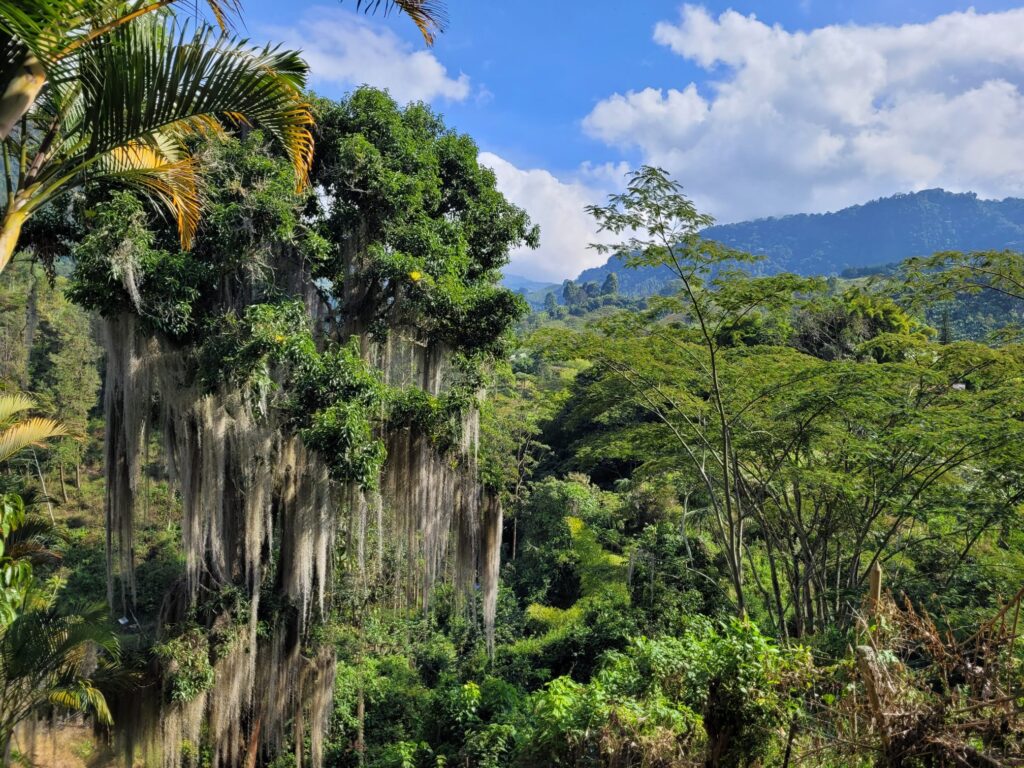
column 346, row 49
column 557, row 206
column 818, row 120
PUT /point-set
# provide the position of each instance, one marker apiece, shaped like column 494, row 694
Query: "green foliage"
column 437, row 417
column 985, row 289
column 435, row 228
column 185, row 660
column 857, row 324
column 335, row 400
column 123, row 264
column 120, row 267
column 546, row 569
column 674, row 577
column 724, row 692
column 15, row 573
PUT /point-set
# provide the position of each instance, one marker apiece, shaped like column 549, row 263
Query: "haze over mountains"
column 858, row 237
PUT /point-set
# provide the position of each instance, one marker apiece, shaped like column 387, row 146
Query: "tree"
column 551, row 304
column 610, row 286
column 715, row 304
column 855, row 324
column 572, row 293
column 406, row 277
column 947, row 273
column 48, row 657
column 121, row 97
column 63, row 371
column 838, row 464
column 954, row 275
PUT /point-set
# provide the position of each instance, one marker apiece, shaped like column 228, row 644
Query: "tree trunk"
column 254, row 744
column 6, row 737
column 361, row 726
column 10, row 232
column 20, row 94
column 63, row 487
column 31, row 323
column 42, row 484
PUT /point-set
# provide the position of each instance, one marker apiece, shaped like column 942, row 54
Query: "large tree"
column 301, row 336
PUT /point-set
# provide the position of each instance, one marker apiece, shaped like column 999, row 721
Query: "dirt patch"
column 69, row 744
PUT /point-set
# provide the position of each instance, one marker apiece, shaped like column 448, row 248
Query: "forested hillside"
column 887, row 230
column 710, row 499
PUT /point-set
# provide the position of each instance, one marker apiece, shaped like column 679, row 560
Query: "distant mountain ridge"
column 878, row 232
column 524, row 285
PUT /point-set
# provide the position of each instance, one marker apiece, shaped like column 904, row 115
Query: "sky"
column 756, row 108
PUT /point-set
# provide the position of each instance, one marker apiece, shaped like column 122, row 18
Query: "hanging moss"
column 314, row 366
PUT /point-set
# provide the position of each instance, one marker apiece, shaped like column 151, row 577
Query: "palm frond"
column 147, row 78
column 61, row 659
column 13, row 404
column 82, row 697
column 52, row 30
column 29, row 432
column 171, row 181
column 31, row 541
column 430, row 16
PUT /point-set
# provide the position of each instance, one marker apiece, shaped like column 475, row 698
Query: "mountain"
column 862, row 236
column 525, row 285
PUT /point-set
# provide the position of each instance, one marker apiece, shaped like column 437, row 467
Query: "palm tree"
column 48, row 658
column 51, row 659
column 123, row 92
column 37, row 35
column 122, row 96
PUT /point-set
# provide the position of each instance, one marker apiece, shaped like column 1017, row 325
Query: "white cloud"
column 817, row 120
column 557, row 206
column 347, row 49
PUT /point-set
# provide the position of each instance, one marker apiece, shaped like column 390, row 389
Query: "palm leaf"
column 29, row 432
column 82, row 697
column 429, row 16
column 52, row 30
column 30, row 541
column 147, row 78
column 13, row 404
column 172, row 182
column 61, row 659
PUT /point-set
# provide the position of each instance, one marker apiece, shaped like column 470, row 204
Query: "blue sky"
column 759, row 108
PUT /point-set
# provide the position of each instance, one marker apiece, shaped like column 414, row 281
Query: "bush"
column 722, row 692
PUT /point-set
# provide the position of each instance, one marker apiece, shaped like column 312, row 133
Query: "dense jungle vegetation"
column 289, row 479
